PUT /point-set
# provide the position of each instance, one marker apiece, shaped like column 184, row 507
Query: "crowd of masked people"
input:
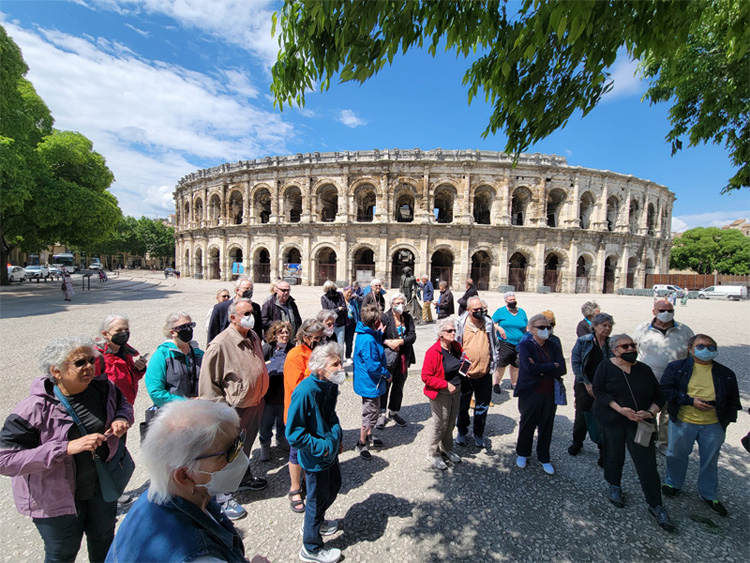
column 268, row 374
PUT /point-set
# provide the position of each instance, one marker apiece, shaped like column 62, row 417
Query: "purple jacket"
column 34, row 448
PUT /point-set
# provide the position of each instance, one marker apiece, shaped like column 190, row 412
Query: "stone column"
column 538, row 272
column 569, row 283
column 601, row 223
column 383, row 258
column 465, row 217
column 308, row 262
column 462, row 262
column 621, row 277
column 307, row 198
column 342, row 259
column 345, row 204
column 422, row 212
column 503, row 262
column 598, row 280
column 573, row 220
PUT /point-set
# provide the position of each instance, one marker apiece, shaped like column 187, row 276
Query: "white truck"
column 732, row 292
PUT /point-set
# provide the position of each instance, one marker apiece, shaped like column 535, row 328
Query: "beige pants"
column 444, row 412
column 427, row 311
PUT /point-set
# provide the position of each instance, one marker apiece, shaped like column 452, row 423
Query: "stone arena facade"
column 448, row 213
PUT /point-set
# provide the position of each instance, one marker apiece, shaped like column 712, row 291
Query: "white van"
column 733, row 292
column 662, row 289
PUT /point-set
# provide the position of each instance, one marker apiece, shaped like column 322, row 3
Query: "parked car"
column 54, row 271
column 96, row 266
column 37, row 272
column 662, row 289
column 732, row 292
column 16, row 273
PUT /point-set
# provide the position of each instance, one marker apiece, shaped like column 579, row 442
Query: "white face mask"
column 328, row 332
column 338, row 377
column 227, row 479
column 543, row 334
column 665, row 317
column 247, row 322
column 398, row 308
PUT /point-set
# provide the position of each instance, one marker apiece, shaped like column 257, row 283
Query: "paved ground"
column 395, row 508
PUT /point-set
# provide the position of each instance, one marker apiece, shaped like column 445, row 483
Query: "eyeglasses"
column 627, row 346
column 704, row 347
column 224, row 296
column 449, row 330
column 83, row 361
column 542, row 327
column 232, row 452
column 186, row 326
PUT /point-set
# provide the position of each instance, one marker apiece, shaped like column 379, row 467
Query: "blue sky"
column 164, row 87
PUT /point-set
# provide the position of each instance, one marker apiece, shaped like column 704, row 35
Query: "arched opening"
column 365, row 200
column 552, row 273
column 610, row 265
column 517, row 271
column 235, row 208
column 198, row 273
column 185, row 265
column 364, row 266
column 262, row 266
column 292, row 264
column 235, row 259
column 665, row 226
column 651, row 220
column 325, row 261
column 328, row 203
column 443, row 209
column 555, row 202
column 632, row 265
column 404, row 211
column 401, row 259
column 293, row 205
column 214, row 264
column 586, row 210
column 483, row 199
column 262, row 205
column 214, row 210
column 186, row 215
column 198, row 208
column 519, row 205
column 613, row 206
column 633, row 217
column 649, row 271
column 583, row 271
column 480, row 270
column 441, row 267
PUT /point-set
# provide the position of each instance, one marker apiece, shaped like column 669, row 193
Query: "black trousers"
column 394, row 391
column 481, row 388
column 584, row 421
column 615, row 438
column 349, row 338
column 537, row 412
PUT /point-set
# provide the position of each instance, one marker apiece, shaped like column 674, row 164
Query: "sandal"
column 297, row 506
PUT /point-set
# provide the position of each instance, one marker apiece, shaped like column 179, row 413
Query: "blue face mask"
column 705, row 355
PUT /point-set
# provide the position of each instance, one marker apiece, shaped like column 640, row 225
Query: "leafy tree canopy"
column 539, row 64
column 708, row 249
column 137, row 237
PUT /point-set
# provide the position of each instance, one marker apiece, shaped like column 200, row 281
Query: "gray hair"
column 171, row 320
column 616, row 339
column 326, row 314
column 329, row 285
column 398, row 296
column 109, row 320
column 321, row 354
column 444, row 323
column 538, row 317
column 508, row 294
column 484, row 304
column 376, row 281
column 233, row 307
column 442, row 283
column 58, row 350
column 182, row 431
column 240, row 279
column 589, row 308
column 473, row 299
column 222, row 290
column 309, row 328
column 600, row 318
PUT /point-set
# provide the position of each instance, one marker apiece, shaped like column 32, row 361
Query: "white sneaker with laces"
column 327, row 527
column 323, row 555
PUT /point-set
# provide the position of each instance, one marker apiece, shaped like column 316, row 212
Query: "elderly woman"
column 541, row 362
column 328, row 319
column 193, row 451
column 398, row 340
column 442, row 385
column 221, row 296
column 51, row 461
column 375, row 295
column 589, row 351
column 173, row 371
column 510, row 322
column 118, row 356
column 627, row 393
column 309, row 335
column 589, row 310
column 353, row 302
column 275, row 350
column 333, row 300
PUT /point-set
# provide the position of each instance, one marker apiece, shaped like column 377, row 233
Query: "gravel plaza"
column 396, row 508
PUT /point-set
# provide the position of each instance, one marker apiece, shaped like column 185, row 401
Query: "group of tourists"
column 268, row 374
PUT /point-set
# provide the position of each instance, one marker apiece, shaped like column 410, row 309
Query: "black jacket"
column 674, row 384
column 390, row 332
column 445, row 308
column 337, row 305
column 471, row 292
column 272, row 312
column 372, row 297
column 220, row 320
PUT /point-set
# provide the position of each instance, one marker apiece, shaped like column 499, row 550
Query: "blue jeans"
column 682, row 437
column 272, row 415
column 62, row 535
column 322, row 489
column 340, row 332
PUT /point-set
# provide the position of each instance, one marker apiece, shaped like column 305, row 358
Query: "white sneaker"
column 521, row 462
column 327, row 527
column 548, row 469
column 323, row 555
column 437, row 462
column 453, row 457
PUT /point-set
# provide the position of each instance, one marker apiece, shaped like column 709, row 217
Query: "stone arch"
column 292, row 198
column 327, row 198
column 634, row 215
column 519, row 204
column 651, row 219
column 518, row 265
column 484, row 196
column 632, row 268
column 585, row 266
column 610, row 273
column 214, row 262
column 363, row 263
column 198, row 210
column 441, row 265
column 236, row 207
column 365, row 202
column 214, row 209
column 325, row 264
column 198, row 266
column 262, row 209
column 613, row 209
column 444, row 198
column 236, row 259
column 649, row 268
column 665, row 226
column 261, row 265
column 481, row 266
column 555, row 203
column 186, row 214
column 291, row 261
column 402, row 255
column 555, row 263
column 404, row 200
column 586, row 209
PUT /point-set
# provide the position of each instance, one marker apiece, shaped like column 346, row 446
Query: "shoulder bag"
column 646, row 428
column 113, row 474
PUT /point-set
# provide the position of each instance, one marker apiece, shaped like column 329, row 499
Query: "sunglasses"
column 283, row 290
column 83, row 361
column 184, row 327
column 450, row 330
column 543, row 327
column 704, row 347
column 628, row 346
column 232, row 452
column 666, row 310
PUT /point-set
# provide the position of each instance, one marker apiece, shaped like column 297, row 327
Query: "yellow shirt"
column 701, row 385
column 477, row 348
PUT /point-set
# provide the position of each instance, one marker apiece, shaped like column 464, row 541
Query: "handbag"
column 392, row 358
column 560, row 394
column 646, row 428
column 113, row 474
column 149, row 415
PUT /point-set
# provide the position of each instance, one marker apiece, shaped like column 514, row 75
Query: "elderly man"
column 234, row 372
column 661, row 341
column 281, row 307
column 428, row 293
column 471, row 291
column 243, row 289
column 475, row 332
column 375, row 295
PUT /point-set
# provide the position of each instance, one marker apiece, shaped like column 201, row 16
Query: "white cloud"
column 351, row 119
column 152, row 121
column 626, row 82
column 682, row 223
column 138, row 31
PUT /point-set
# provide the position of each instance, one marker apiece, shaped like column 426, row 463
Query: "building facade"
column 449, row 214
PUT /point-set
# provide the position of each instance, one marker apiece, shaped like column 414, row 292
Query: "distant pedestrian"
column 428, row 294
column 67, row 286
column 444, row 304
column 471, row 291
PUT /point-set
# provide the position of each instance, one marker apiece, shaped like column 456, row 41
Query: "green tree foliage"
column 137, row 237
column 53, row 185
column 157, row 239
column 537, row 66
column 708, row 249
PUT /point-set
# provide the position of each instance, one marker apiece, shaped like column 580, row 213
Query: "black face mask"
column 312, row 344
column 512, row 304
column 629, row 357
column 247, row 294
column 120, row 338
column 332, row 292
column 477, row 314
column 185, row 335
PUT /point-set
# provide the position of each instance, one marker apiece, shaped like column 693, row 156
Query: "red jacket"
column 122, row 372
column 432, row 369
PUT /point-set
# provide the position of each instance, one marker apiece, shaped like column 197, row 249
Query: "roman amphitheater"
column 540, row 226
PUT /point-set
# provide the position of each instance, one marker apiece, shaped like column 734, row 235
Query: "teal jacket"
column 172, row 375
column 312, row 425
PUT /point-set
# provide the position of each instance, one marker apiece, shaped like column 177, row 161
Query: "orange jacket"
column 295, row 370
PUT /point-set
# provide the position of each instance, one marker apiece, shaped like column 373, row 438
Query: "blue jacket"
column 428, row 291
column 312, row 425
column 176, row 531
column 674, row 384
column 580, row 356
column 370, row 371
column 531, row 375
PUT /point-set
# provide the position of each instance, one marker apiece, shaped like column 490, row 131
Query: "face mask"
column 185, row 335
column 705, row 355
column 247, row 294
column 332, row 292
column 665, row 317
column 629, row 357
column 247, row 322
column 543, row 334
column 120, row 338
column 228, row 478
column 337, row 377
column 512, row 304
column 477, row 314
column 312, row 344
column 398, row 308
column 328, row 332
